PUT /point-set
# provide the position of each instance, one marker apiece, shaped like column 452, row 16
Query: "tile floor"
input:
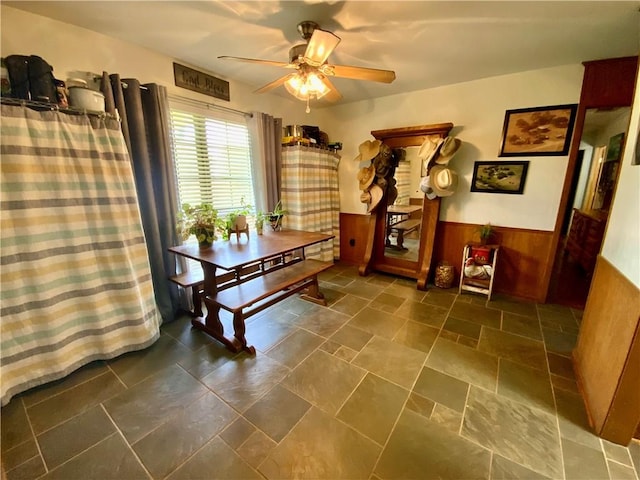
column 387, row 382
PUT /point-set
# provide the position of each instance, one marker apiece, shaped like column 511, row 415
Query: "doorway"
column 594, row 180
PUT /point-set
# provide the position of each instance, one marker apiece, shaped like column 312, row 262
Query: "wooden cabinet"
column 585, row 237
column 474, row 274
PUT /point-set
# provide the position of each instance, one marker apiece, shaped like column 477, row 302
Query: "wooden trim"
column 607, row 354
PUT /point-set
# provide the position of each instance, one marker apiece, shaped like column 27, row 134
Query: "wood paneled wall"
column 521, row 263
column 607, row 354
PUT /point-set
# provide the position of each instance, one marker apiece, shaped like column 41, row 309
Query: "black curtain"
column 144, row 115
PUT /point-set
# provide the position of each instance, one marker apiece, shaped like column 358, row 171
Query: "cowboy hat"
column 366, row 176
column 368, row 149
column 449, row 147
column 443, row 180
column 376, row 194
column 425, row 186
column 429, row 148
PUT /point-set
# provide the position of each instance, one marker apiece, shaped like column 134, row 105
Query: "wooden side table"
column 479, row 285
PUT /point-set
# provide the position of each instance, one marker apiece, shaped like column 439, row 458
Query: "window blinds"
column 212, row 160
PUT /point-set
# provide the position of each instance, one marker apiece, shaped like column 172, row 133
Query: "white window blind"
column 212, row 160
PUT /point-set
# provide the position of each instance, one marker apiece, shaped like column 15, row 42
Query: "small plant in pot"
column 275, row 216
column 485, row 232
column 237, row 220
column 199, row 220
column 260, row 218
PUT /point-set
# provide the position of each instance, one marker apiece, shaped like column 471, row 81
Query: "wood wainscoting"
column 522, row 262
column 607, row 355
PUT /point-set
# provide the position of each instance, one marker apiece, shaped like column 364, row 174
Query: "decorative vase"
column 204, row 245
column 259, row 227
column 276, row 222
column 444, row 275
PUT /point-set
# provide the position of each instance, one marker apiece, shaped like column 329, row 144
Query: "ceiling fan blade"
column 262, row 62
column 320, row 46
column 333, row 95
column 274, row 84
column 360, row 73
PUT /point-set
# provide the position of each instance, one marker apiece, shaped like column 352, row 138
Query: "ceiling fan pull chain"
column 308, row 109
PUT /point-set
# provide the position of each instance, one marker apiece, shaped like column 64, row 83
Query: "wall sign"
column 191, row 79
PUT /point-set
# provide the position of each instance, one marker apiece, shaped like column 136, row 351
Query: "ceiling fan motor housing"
column 306, row 29
column 296, row 52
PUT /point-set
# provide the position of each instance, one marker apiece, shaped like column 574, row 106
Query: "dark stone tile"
column 573, row 419
column 440, row 298
column 243, row 381
column 564, row 384
column 109, row 459
column 617, row 453
column 405, row 290
column 447, row 417
column 331, row 296
column 134, row 367
column 513, row 347
column 386, row 302
column 72, row 437
column 205, row 360
column 322, row 321
column 559, row 365
column 363, row 289
column 350, row 305
column 215, row 456
column 316, row 448
column 559, row 342
column 634, row 451
column 582, row 462
column 153, row 402
column 514, row 430
column 504, row 469
column 464, row 363
column 49, row 389
column 237, row 433
column 351, row 337
column 14, row 425
column 295, row 348
column 32, row 468
column 180, row 329
column 373, row 407
column 514, row 306
column 422, row 313
column 392, row 361
column 269, row 328
column 330, row 346
column 20, row 454
column 417, row 336
column 620, row 472
column 462, row 327
column 377, row 322
column 442, row 388
column 277, row 412
column 526, row 385
column 74, row 401
column 417, row 446
column 187, row 431
column 420, row 405
column 324, row 380
column 476, row 313
column 256, row 448
column 520, row 325
column 469, row 342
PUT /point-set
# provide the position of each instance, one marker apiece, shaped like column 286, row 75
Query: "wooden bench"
column 265, row 290
column 404, row 227
column 194, row 279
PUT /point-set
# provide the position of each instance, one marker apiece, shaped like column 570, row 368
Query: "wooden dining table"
column 229, row 263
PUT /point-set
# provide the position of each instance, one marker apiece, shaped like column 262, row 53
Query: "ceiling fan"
column 311, row 70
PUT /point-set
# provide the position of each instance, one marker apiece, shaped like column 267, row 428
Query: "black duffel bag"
column 31, row 78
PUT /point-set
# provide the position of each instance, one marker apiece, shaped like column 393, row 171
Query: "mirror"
column 402, row 228
column 404, row 216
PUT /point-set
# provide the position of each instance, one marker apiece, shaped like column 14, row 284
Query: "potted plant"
column 237, row 220
column 485, row 232
column 199, row 220
column 275, row 216
column 260, row 217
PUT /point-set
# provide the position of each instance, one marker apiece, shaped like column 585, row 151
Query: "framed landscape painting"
column 538, row 131
column 499, row 177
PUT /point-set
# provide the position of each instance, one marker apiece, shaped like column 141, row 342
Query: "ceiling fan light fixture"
column 305, row 86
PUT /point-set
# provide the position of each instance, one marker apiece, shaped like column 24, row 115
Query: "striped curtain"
column 310, row 196
column 75, row 283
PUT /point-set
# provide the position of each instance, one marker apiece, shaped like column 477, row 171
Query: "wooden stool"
column 194, row 279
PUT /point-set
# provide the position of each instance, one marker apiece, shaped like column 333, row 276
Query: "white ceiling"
column 426, row 43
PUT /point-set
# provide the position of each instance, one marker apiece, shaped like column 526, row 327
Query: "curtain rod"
column 200, row 103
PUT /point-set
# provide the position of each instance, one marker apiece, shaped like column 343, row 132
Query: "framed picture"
column 499, row 177
column 538, row 131
column 615, row 147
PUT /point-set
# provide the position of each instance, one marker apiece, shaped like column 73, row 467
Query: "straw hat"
column 449, row 147
column 443, row 180
column 368, row 149
column 372, row 197
column 429, row 148
column 366, row 176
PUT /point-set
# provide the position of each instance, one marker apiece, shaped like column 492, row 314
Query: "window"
column 212, row 160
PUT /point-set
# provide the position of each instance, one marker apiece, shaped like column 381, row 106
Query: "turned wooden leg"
column 400, row 239
column 197, row 301
column 212, row 322
column 238, row 332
